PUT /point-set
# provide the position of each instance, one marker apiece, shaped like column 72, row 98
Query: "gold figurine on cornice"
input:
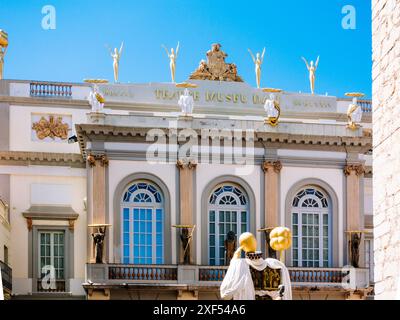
column 3, row 50
column 172, row 60
column 116, row 55
column 258, row 61
column 311, row 72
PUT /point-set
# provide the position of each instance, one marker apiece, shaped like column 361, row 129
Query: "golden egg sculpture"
column 280, row 239
column 248, row 242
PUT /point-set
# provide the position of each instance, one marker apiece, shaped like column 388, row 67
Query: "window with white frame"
column 369, row 257
column 311, row 228
column 227, row 211
column 143, row 224
column 51, row 253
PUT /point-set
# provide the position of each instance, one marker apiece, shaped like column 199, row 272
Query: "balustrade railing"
column 297, row 275
column 143, row 272
column 121, row 273
column 45, row 89
column 47, row 287
column 366, row 105
column 316, row 275
column 212, row 273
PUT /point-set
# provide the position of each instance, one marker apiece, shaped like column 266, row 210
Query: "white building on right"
column 386, row 160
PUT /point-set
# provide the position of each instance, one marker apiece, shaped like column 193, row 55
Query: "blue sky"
column 288, row 29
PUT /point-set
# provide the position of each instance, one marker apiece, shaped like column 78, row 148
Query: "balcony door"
column 143, row 224
column 312, row 228
column 227, row 211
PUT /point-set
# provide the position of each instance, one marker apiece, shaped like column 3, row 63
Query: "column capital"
column 186, row 163
column 359, row 169
column 93, row 159
column 275, row 165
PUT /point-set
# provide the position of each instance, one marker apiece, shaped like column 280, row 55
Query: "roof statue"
column 216, row 68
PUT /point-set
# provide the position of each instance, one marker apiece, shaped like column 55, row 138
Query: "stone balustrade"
column 46, row 89
column 210, row 275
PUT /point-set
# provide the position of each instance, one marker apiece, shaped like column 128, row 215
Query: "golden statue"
column 3, row 50
column 116, row 55
column 311, row 69
column 258, row 61
column 216, row 69
column 172, row 60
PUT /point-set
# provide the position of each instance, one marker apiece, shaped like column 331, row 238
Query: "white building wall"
column 21, row 199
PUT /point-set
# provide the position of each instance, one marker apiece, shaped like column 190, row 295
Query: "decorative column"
column 96, row 196
column 186, row 170
column 271, row 170
column 353, row 172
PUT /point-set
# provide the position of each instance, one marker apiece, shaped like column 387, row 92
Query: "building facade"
column 141, row 168
column 386, row 98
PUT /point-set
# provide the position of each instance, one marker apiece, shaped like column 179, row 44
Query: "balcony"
column 57, row 287
column 6, row 274
column 210, row 277
column 51, row 90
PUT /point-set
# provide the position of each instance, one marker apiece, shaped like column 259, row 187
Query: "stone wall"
column 386, row 133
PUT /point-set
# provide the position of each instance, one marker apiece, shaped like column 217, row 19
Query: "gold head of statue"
column 247, row 243
column 280, row 240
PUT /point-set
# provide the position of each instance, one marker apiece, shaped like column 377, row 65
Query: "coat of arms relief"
column 53, row 127
column 216, row 68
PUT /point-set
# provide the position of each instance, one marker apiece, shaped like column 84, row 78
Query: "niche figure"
column 186, row 237
column 230, row 247
column 98, row 239
column 355, row 249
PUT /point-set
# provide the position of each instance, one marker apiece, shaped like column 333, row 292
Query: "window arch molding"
column 205, row 197
column 319, row 184
column 117, row 223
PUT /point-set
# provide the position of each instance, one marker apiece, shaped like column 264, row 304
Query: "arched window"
column 143, row 224
column 227, row 211
column 311, row 226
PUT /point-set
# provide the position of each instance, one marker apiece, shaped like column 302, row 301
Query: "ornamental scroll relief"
column 51, row 126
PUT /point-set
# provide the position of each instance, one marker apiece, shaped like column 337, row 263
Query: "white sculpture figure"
column 354, row 114
column 272, row 109
column 269, row 107
column 96, row 100
column 186, row 102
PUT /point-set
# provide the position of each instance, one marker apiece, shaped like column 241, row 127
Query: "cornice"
column 25, row 158
column 361, row 144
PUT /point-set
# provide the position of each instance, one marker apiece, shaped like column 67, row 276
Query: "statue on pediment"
column 96, row 99
column 216, row 68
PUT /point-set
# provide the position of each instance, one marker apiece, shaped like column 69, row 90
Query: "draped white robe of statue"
column 270, row 109
column 186, row 102
column 238, row 283
column 357, row 115
column 1, row 287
